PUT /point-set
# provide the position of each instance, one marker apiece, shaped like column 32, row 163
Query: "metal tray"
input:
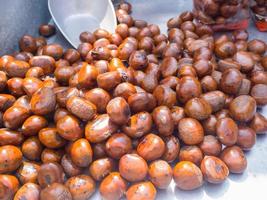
column 249, row 185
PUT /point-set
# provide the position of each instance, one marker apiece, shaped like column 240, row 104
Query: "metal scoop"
column 75, row 16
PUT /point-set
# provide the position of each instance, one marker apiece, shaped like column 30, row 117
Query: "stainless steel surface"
column 75, row 16
column 250, row 185
column 19, row 17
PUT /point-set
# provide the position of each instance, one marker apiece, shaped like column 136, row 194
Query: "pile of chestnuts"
column 229, row 14
column 259, row 14
column 131, row 110
column 260, row 7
